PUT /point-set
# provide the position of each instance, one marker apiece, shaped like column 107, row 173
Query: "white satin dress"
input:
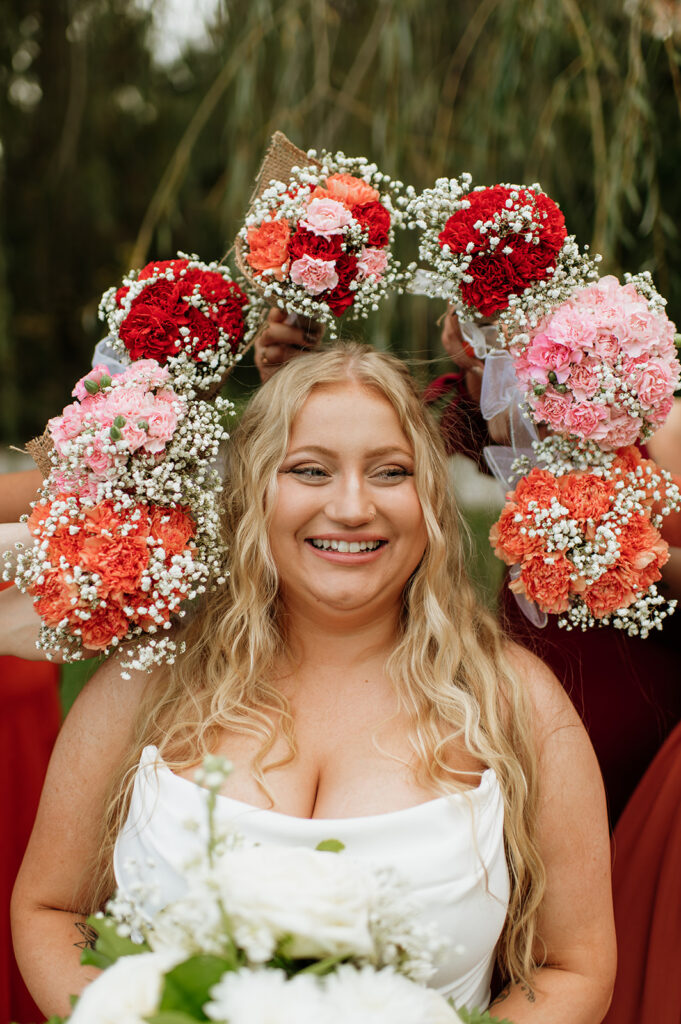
column 449, row 850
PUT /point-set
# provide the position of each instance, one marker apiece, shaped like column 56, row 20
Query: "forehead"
column 349, row 414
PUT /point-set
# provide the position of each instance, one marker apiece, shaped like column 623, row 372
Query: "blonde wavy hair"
column 449, row 667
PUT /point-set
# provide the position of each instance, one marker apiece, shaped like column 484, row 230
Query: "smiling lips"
column 338, row 550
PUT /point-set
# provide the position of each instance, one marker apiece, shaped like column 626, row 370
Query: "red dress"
column 29, row 722
column 647, row 896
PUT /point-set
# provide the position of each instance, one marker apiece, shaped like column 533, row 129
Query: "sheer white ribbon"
column 501, row 393
column 105, row 355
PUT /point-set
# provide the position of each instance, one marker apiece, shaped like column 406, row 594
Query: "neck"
column 345, row 640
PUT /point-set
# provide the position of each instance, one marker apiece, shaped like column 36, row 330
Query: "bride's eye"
column 309, row 472
column 392, row 473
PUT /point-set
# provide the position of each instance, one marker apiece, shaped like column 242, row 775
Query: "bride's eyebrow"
column 373, row 453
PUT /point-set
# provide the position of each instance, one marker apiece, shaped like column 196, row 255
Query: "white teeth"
column 344, row 546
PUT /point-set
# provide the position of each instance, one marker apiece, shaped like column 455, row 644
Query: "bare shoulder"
column 100, row 725
column 550, row 707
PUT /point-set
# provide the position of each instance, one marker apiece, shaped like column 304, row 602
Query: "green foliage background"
column 109, row 159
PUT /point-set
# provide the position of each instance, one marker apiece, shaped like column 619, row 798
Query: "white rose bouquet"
column 265, row 935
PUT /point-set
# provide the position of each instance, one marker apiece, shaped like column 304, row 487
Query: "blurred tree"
column 109, row 158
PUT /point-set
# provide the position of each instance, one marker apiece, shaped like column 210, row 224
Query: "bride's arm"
column 576, row 919
column 50, row 894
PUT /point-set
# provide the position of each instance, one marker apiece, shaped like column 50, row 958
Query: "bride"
column 361, row 693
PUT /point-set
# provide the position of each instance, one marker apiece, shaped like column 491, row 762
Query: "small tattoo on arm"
column 506, row 991
column 89, row 936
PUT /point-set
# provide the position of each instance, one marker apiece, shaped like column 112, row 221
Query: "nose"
column 350, row 502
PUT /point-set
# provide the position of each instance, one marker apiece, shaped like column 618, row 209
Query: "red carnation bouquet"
column 319, row 244
column 494, row 250
column 183, row 313
column 582, row 533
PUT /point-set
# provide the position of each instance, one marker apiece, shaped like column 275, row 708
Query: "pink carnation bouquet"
column 320, row 244
column 581, row 531
column 601, row 366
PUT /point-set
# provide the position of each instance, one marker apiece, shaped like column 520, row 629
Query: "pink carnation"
column 545, row 355
column 552, row 408
column 314, row 275
column 326, row 217
column 583, row 417
column 95, row 375
column 618, row 430
column 372, row 263
column 655, row 381
column 584, row 380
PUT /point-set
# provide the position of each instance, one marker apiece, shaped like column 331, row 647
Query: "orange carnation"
column 616, row 588
column 546, row 582
column 585, row 495
column 350, row 191
column 173, row 527
column 106, row 622
column 539, row 485
column 268, row 247
column 505, row 537
column 53, row 598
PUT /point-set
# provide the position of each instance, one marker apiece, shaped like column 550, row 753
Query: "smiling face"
column 347, row 529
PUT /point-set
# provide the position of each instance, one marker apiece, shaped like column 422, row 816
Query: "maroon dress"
column 647, row 895
column 29, row 722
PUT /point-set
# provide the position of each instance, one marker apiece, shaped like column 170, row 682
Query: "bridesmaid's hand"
column 280, row 342
column 460, row 353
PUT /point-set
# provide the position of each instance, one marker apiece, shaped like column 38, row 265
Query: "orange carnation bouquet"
column 581, row 532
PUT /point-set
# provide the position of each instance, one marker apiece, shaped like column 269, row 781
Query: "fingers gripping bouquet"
column 581, row 531
column 266, row 935
column 319, row 243
column 499, row 252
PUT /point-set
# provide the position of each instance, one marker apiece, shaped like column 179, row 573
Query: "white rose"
column 321, row 900
column 266, row 997
column 381, row 997
column 124, row 993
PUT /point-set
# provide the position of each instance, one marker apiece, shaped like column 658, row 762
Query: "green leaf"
column 480, row 1017
column 110, row 945
column 330, row 846
column 187, row 985
column 324, row 966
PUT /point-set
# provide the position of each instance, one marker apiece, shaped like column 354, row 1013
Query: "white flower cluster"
column 300, row 904
column 347, row 994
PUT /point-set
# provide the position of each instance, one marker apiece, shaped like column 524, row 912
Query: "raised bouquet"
column 126, row 526
column 500, row 252
column 264, row 935
column 319, row 241
column 601, row 366
column 185, row 314
column 581, row 531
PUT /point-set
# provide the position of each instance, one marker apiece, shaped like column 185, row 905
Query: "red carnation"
column 152, row 332
column 159, row 267
column 494, row 279
column 306, row 243
column 203, row 332
column 375, row 219
column 342, row 296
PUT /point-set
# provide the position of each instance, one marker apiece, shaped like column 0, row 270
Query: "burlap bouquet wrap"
column 279, row 160
column 39, row 449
